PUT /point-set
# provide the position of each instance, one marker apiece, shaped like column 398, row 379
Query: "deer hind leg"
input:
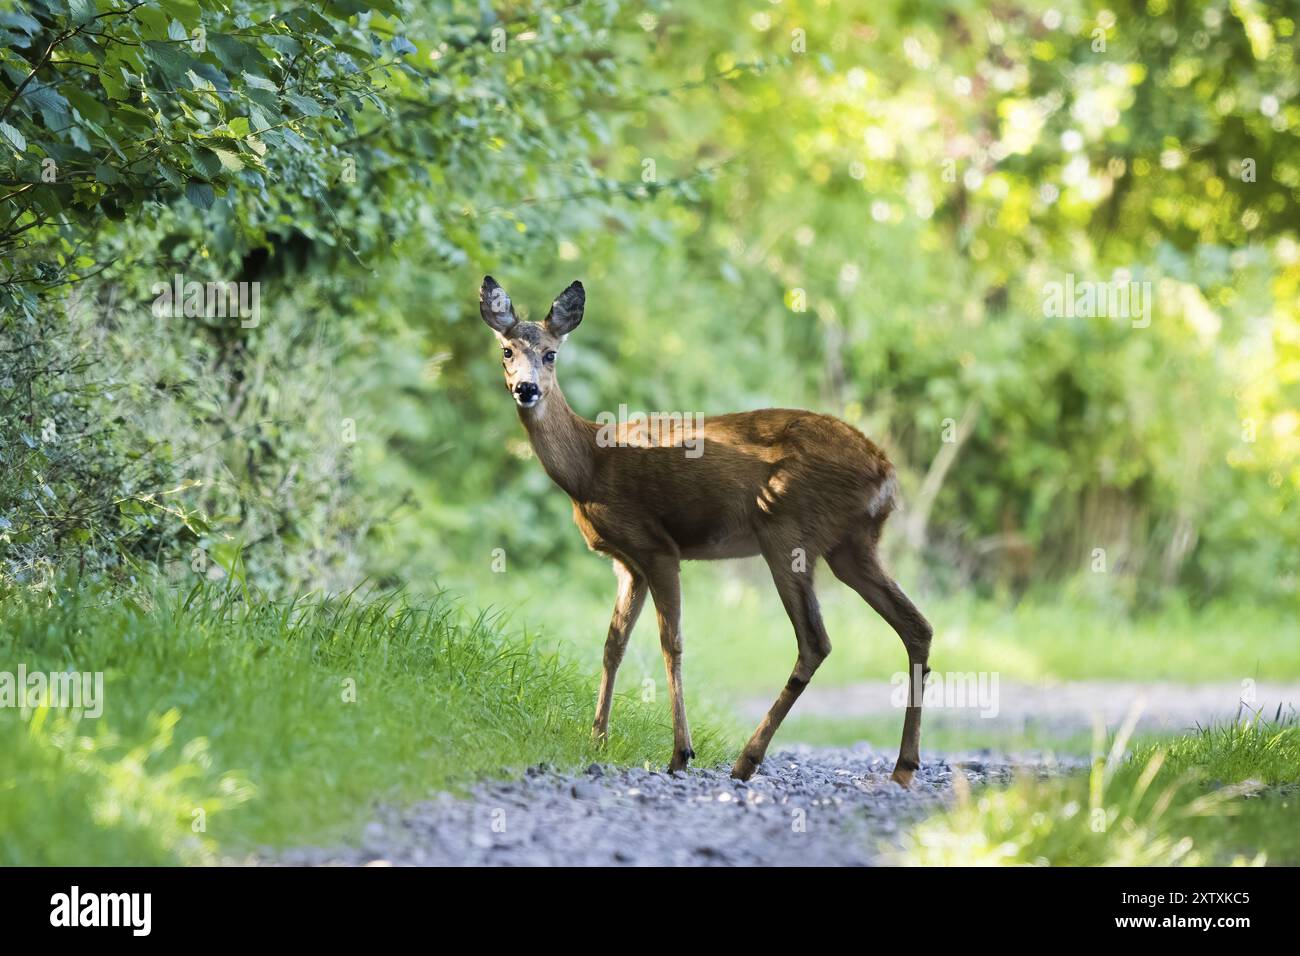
column 854, row 562
column 665, row 587
column 627, row 608
column 796, row 590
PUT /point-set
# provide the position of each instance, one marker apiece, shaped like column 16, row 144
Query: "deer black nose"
column 527, row 391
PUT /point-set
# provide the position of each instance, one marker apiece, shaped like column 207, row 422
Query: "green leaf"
column 260, row 82
column 230, row 162
column 176, row 31
column 257, row 119
column 198, row 82
column 171, row 175
column 16, row 139
column 200, row 194
column 20, row 21
column 295, row 141
column 304, row 104
column 171, row 59
column 206, row 163
column 82, row 11
column 236, row 55
column 285, row 45
column 112, row 81
column 85, row 104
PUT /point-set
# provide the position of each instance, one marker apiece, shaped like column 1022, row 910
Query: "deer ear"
column 495, row 306
column 566, row 310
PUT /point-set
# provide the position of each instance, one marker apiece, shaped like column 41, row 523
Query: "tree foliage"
column 851, row 207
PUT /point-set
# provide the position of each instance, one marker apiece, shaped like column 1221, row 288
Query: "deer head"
column 529, row 349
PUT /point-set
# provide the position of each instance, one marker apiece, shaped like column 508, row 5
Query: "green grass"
column 1257, row 749
column 1225, row 795
column 240, row 717
column 739, row 642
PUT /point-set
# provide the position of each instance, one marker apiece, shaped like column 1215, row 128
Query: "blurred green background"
column 856, row 208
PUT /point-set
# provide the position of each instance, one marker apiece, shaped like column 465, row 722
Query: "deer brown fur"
column 791, row 486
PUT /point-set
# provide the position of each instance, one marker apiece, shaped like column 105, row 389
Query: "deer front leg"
column 627, row 608
column 665, row 587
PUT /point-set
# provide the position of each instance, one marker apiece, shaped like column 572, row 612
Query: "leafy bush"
column 74, row 477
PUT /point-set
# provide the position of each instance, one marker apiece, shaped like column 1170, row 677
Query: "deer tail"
column 885, row 496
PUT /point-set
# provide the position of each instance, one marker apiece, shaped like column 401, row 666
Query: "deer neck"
column 564, row 441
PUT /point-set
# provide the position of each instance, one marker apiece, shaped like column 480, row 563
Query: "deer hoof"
column 902, row 774
column 744, row 767
column 680, row 759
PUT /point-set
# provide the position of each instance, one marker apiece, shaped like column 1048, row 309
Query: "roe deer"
column 789, row 485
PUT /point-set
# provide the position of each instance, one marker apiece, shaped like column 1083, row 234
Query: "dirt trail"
column 806, row 806
column 1065, row 707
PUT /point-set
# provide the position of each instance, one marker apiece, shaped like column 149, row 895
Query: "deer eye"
column 549, row 358
column 507, row 352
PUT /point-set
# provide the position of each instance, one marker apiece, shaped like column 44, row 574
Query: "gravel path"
column 806, row 806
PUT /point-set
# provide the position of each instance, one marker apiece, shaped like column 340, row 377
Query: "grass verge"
column 231, row 724
column 1226, row 795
